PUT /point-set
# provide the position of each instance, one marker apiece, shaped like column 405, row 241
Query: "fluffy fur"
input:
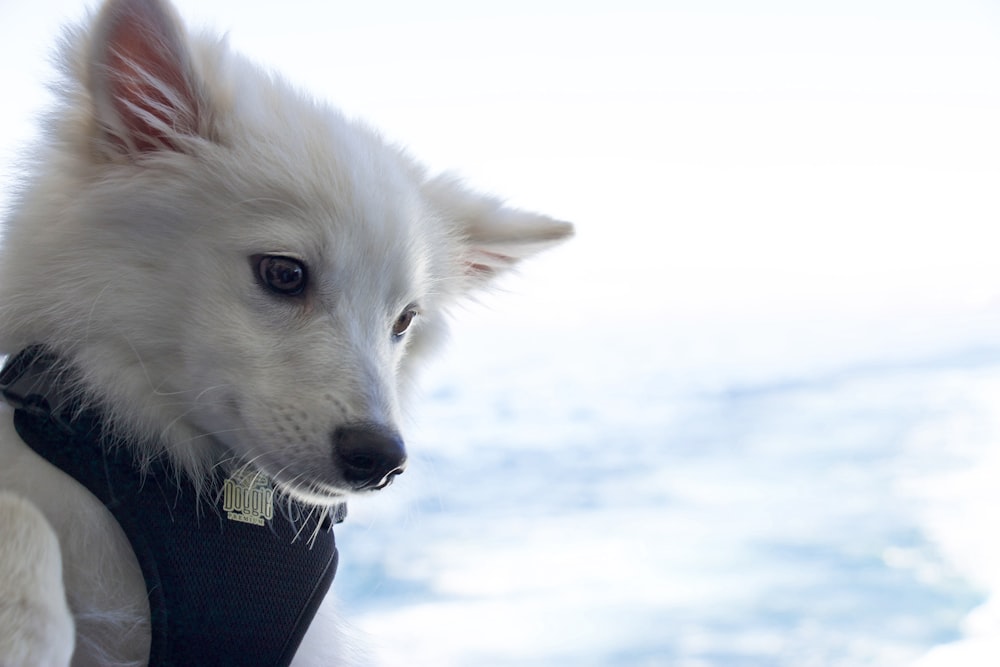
column 170, row 167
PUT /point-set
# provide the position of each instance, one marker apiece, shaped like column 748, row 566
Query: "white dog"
column 213, row 290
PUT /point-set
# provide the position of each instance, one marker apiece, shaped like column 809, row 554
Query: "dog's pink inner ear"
column 484, row 264
column 147, row 78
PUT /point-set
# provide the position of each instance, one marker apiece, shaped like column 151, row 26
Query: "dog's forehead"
column 371, row 233
column 334, row 193
column 330, row 228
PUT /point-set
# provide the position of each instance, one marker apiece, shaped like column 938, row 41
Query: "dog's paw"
column 36, row 628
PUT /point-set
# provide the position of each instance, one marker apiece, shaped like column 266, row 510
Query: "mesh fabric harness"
column 225, row 587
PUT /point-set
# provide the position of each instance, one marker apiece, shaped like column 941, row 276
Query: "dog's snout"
column 370, row 455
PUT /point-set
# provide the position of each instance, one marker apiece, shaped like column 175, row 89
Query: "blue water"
column 559, row 513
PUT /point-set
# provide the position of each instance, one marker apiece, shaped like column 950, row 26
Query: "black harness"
column 234, row 583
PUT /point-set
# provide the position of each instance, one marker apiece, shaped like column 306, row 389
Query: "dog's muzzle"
column 369, row 455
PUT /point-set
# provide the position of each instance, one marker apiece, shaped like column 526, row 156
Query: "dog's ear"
column 492, row 238
column 145, row 94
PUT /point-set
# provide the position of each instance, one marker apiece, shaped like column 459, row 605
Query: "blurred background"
column 751, row 414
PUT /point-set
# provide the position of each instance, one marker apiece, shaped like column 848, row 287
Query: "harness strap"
column 231, row 583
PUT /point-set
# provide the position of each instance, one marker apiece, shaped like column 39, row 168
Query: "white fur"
column 168, row 164
column 37, row 625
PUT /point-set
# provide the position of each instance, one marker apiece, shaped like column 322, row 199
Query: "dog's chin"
column 317, row 494
column 304, row 488
column 321, row 494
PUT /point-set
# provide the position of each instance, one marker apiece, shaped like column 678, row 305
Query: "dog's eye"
column 403, row 322
column 282, row 275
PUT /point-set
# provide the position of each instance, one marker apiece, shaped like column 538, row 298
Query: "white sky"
column 722, row 160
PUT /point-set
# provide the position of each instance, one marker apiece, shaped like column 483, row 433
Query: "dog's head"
column 239, row 272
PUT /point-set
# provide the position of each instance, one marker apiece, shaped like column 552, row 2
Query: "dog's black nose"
column 370, row 455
